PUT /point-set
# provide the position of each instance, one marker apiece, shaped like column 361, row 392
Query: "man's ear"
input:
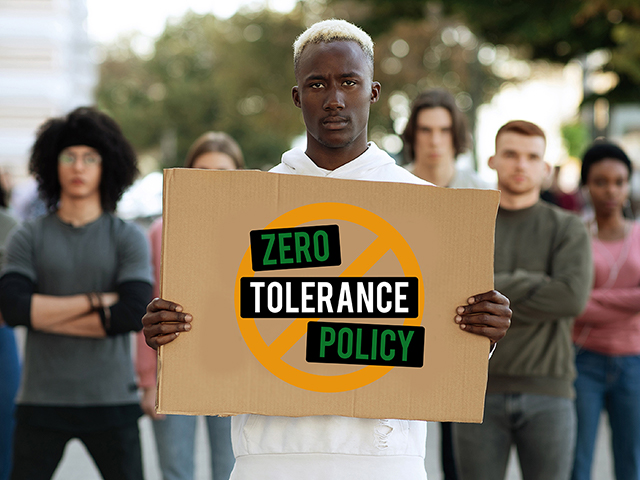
column 491, row 162
column 375, row 91
column 296, row 96
column 547, row 170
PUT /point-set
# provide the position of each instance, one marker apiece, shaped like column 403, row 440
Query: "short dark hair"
column 521, row 127
column 215, row 142
column 602, row 150
column 90, row 127
column 433, row 99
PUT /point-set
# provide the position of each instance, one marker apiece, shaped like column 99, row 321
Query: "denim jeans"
column 175, row 439
column 543, row 429
column 9, row 381
column 613, row 384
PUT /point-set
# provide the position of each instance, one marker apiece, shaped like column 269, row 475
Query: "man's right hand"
column 163, row 322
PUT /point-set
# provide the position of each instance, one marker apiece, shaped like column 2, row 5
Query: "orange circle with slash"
column 270, row 356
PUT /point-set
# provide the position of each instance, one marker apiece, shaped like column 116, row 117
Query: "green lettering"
column 271, row 237
column 326, row 341
column 359, row 353
column 284, row 248
column 341, row 334
column 374, row 344
column 316, row 245
column 405, row 343
column 392, row 352
column 302, row 248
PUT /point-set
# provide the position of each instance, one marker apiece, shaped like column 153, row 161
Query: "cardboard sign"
column 316, row 296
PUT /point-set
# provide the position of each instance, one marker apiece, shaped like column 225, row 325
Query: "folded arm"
column 72, row 314
column 627, row 299
column 562, row 292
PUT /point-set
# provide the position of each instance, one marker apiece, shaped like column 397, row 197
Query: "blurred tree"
column 558, row 31
column 576, row 138
column 207, row 74
column 414, row 56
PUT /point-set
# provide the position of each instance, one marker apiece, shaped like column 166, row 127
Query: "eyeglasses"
column 88, row 159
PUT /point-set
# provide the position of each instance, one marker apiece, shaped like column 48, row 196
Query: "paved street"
column 77, row 465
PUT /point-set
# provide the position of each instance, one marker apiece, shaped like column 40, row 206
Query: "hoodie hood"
column 373, row 164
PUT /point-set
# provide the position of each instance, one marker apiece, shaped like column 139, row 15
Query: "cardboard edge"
column 168, row 176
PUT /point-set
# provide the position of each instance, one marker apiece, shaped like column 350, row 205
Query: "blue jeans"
column 613, row 384
column 175, row 439
column 543, row 429
column 9, row 381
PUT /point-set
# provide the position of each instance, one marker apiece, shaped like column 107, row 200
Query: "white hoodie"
column 331, row 447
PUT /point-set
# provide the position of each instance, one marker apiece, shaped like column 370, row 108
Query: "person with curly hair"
column 78, row 278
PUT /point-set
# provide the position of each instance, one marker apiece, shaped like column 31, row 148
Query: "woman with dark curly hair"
column 78, row 279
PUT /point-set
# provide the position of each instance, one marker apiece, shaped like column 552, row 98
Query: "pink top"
column 145, row 355
column 611, row 322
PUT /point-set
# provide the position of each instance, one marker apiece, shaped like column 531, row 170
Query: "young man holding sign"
column 334, row 70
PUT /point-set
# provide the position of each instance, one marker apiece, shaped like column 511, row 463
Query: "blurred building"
column 45, row 70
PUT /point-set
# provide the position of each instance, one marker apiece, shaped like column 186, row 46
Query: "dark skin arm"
column 486, row 314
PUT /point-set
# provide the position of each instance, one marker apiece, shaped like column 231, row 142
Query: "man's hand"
column 163, row 322
column 487, row 314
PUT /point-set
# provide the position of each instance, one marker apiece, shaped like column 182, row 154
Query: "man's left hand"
column 487, row 314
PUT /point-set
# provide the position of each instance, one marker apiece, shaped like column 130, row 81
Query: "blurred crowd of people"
column 79, row 279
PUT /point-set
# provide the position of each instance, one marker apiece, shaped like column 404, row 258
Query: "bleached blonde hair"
column 329, row 31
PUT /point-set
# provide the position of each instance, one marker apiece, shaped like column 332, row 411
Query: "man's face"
column 335, row 91
column 79, row 172
column 433, row 142
column 519, row 162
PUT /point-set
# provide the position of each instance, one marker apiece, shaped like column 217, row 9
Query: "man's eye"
column 316, row 85
column 350, row 83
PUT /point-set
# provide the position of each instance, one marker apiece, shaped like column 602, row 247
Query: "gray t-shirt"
column 7, row 223
column 60, row 259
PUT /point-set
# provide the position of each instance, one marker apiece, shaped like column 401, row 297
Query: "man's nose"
column 78, row 163
column 334, row 99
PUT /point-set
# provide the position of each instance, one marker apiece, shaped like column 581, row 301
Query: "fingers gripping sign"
column 163, row 322
column 487, row 314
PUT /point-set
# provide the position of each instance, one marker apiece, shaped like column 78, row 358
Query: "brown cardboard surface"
column 230, row 365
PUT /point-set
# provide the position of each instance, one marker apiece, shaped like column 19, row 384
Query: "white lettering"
column 365, row 297
column 387, row 287
column 289, row 308
column 400, row 297
column 257, row 286
column 345, row 299
column 325, row 297
column 270, row 300
column 307, row 297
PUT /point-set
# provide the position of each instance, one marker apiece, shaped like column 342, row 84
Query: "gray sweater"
column 543, row 265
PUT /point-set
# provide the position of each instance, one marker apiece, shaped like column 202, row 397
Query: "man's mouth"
column 334, row 123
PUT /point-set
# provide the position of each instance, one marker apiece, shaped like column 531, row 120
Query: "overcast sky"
column 109, row 19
